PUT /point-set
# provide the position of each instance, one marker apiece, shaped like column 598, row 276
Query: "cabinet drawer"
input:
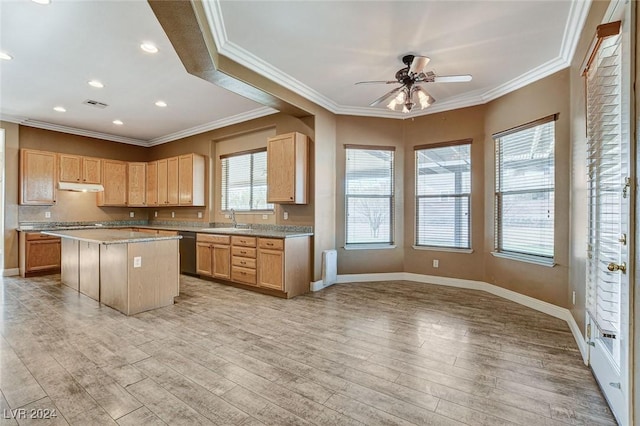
column 271, row 243
column 243, row 275
column 244, row 262
column 243, row 252
column 31, row 236
column 217, row 239
column 243, row 241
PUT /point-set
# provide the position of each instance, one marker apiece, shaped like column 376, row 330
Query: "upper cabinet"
column 152, row 183
column 137, row 177
column 168, row 181
column 78, row 169
column 191, row 180
column 287, row 168
column 38, row 174
column 114, row 180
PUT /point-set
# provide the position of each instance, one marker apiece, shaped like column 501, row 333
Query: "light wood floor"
column 369, row 353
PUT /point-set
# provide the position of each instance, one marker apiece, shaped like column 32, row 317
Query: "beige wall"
column 11, row 160
column 447, row 126
column 540, row 99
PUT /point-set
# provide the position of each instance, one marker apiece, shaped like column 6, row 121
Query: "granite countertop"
column 47, row 228
column 109, row 236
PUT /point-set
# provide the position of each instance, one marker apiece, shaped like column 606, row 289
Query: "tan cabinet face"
column 38, row 177
column 287, row 169
column 114, row 180
column 91, row 170
column 70, row 168
column 271, row 269
column 163, row 196
column 185, row 181
column 204, row 259
column 172, row 181
column 152, row 183
column 43, row 255
column 221, row 261
column 137, row 184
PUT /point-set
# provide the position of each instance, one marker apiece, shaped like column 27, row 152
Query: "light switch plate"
column 286, row 215
column 155, row 214
column 173, row 214
column 137, row 261
column 199, row 215
column 132, row 214
column 265, row 217
column 47, row 215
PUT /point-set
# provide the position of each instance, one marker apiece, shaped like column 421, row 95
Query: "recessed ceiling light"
column 5, row 56
column 149, row 47
column 161, row 104
column 118, row 122
column 41, row 1
column 96, row 83
column 60, row 109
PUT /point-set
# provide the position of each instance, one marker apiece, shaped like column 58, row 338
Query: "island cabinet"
column 137, row 188
column 213, row 256
column 38, row 177
column 79, row 169
column 114, row 180
column 287, row 169
column 191, row 180
column 39, row 254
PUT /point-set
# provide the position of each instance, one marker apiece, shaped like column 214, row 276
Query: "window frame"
column 225, row 191
column 498, row 196
column 370, row 245
column 417, row 245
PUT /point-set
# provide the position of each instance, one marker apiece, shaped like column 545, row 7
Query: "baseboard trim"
column 11, row 272
column 530, row 302
column 317, row 285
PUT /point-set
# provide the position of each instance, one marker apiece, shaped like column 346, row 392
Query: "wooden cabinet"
column 39, row 254
column 168, row 182
column 191, row 180
column 287, row 169
column 152, row 183
column 271, row 269
column 137, row 188
column 213, row 255
column 284, row 264
column 78, row 169
column 38, row 177
column 243, row 255
column 114, row 180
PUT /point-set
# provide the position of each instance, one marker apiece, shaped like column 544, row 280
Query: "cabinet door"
column 163, row 195
column 70, row 168
column 152, row 183
column 271, row 269
column 172, row 181
column 204, row 264
column 221, row 261
column 114, row 180
column 137, row 187
column 91, row 170
column 42, row 255
column 37, row 177
column 185, row 180
column 287, row 169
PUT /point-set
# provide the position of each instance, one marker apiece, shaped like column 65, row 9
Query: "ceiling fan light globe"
column 392, row 105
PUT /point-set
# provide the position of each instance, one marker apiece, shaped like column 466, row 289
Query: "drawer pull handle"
column 269, row 244
column 243, row 252
column 243, row 263
column 243, row 273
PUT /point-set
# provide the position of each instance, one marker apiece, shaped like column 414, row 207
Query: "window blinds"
column 443, row 187
column 525, row 189
column 244, row 181
column 607, row 166
column 369, row 194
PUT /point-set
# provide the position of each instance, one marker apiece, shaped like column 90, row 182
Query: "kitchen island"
column 129, row 271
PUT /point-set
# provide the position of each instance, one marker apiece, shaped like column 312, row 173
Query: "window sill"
column 524, row 258
column 444, row 249
column 369, row 246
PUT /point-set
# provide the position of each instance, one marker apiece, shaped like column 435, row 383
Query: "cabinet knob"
column 78, row 179
column 291, row 198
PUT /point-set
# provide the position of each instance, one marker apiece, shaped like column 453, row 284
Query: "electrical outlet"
column 265, row 217
column 155, row 214
column 199, row 215
column 47, row 215
column 173, row 214
column 132, row 214
column 137, row 261
column 573, row 298
column 436, row 263
column 227, row 216
column 286, row 215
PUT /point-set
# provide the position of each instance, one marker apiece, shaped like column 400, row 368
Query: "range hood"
column 80, row 187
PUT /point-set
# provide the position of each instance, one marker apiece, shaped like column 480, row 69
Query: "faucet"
column 233, row 218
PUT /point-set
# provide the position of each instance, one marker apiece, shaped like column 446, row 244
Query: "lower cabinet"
column 280, row 266
column 39, row 254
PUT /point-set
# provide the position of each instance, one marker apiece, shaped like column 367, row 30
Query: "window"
column 443, row 186
column 244, row 181
column 369, row 195
column 525, row 189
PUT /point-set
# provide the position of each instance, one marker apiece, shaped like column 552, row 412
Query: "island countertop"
column 109, row 236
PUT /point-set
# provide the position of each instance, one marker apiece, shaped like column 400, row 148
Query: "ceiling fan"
column 410, row 93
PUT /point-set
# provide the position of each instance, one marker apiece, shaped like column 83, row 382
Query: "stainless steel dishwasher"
column 188, row 253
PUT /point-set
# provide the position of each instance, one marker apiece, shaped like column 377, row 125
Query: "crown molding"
column 224, row 122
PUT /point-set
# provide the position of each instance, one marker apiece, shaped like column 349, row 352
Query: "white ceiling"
column 319, row 49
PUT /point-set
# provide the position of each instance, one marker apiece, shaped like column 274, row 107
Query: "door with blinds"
column 610, row 195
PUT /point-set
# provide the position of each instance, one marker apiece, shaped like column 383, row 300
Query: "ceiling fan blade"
column 378, row 82
column 386, row 96
column 418, row 64
column 452, row 78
